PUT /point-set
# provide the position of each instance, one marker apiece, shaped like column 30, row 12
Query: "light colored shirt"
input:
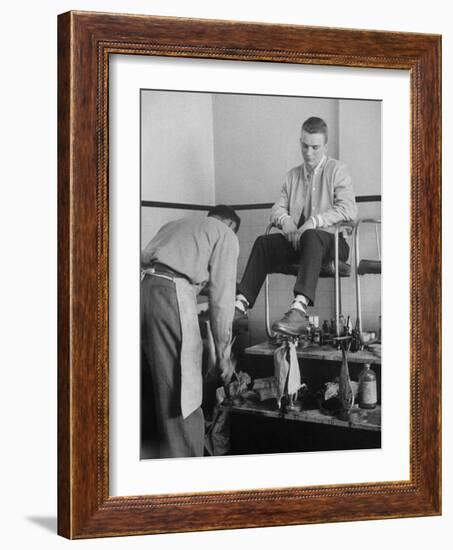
column 325, row 195
column 205, row 251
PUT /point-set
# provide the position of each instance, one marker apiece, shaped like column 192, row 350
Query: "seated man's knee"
column 261, row 240
column 310, row 234
column 259, row 244
column 310, row 240
column 267, row 240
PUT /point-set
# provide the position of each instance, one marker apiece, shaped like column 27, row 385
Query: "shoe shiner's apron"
column 191, row 344
column 191, row 348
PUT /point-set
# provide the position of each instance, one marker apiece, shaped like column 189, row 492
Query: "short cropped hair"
column 315, row 125
column 225, row 213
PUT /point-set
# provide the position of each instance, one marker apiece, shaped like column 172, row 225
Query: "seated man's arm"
column 280, row 216
column 344, row 207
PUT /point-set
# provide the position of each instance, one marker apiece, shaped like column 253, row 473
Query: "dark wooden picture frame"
column 85, row 41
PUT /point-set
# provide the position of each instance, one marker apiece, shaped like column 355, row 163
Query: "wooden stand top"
column 324, row 353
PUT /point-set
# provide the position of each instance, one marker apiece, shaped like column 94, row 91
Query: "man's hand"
column 294, row 237
column 288, row 226
column 307, row 225
column 290, row 230
column 226, row 369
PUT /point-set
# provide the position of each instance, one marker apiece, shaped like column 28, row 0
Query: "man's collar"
column 317, row 167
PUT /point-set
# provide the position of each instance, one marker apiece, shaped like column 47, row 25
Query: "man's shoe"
column 240, row 321
column 294, row 323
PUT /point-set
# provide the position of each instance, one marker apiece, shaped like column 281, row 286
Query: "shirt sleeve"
column 344, row 206
column 222, row 291
column 280, row 209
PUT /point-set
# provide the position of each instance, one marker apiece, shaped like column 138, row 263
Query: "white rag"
column 286, row 370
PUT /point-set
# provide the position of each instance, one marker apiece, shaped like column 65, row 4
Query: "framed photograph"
column 210, row 172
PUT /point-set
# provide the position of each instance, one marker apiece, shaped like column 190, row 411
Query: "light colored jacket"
column 326, row 195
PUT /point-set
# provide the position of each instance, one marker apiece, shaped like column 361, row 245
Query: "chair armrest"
column 349, row 226
column 269, row 228
column 358, row 223
column 367, row 220
column 340, row 225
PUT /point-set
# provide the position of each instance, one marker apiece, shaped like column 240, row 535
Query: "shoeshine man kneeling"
column 315, row 196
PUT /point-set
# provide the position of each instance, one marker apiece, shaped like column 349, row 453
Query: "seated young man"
column 316, row 195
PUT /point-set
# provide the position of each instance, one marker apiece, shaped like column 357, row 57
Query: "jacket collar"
column 316, row 168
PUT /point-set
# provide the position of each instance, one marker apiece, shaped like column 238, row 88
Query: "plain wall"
column 360, row 147
column 360, row 143
column 177, row 147
column 177, row 160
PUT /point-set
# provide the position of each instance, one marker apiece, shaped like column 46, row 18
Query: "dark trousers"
column 273, row 253
column 167, row 433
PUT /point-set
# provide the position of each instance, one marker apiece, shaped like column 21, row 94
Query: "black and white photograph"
column 201, row 346
column 260, row 293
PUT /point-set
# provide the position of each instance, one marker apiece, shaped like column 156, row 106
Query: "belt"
column 161, row 270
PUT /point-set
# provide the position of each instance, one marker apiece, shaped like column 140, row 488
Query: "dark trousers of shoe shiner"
column 271, row 253
column 171, row 434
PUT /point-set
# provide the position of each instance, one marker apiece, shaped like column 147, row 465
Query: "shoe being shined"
column 294, row 323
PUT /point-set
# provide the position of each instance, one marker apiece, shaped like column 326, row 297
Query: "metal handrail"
column 266, row 294
column 357, row 261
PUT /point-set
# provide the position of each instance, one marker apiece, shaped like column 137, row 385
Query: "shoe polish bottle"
column 367, row 395
column 316, row 331
column 310, row 328
column 325, row 333
column 333, row 330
